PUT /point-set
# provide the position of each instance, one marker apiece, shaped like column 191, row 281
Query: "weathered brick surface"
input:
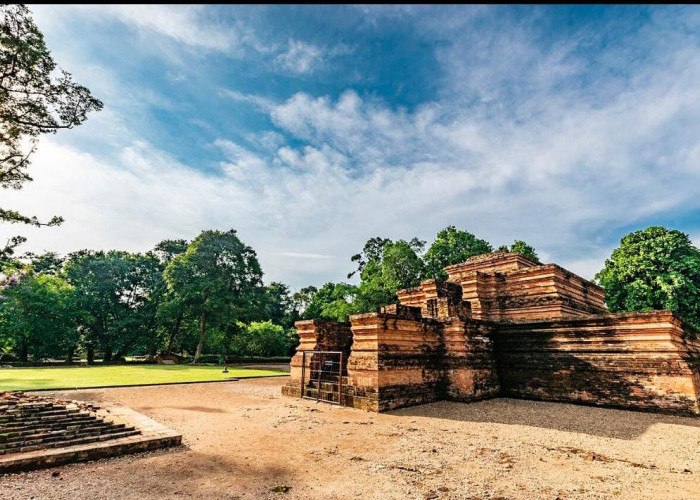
column 506, row 325
column 317, row 335
column 640, row 360
column 47, row 434
column 522, row 290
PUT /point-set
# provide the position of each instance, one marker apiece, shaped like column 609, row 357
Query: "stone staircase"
column 324, row 390
column 30, row 425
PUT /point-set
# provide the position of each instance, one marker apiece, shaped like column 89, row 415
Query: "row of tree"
column 208, row 294
column 178, row 296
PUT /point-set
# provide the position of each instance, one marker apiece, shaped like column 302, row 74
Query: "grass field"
column 13, row 379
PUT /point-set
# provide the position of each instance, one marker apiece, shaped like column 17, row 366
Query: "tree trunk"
column 202, row 333
column 90, row 354
column 173, row 334
column 69, row 355
column 23, row 351
column 108, row 355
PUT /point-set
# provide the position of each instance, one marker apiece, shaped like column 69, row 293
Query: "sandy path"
column 243, row 440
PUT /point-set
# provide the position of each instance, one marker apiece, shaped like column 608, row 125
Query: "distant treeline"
column 208, row 296
column 202, row 296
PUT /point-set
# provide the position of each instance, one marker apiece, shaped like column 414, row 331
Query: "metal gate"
column 322, row 376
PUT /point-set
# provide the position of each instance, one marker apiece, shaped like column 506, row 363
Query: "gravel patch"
column 245, row 440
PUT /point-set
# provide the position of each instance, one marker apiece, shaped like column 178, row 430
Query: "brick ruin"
column 38, row 431
column 505, row 326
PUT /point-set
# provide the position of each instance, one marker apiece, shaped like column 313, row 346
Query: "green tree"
column 399, row 267
column 372, row 252
column 333, row 301
column 655, row 268
column 303, row 297
column 280, row 307
column 452, row 246
column 261, row 339
column 116, row 291
column 217, row 278
column 46, row 263
column 39, row 316
column 33, row 101
column 171, row 309
column 521, row 247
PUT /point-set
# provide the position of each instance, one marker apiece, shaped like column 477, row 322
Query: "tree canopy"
column 523, row 248
column 34, row 100
column 217, row 278
column 333, row 301
column 655, row 268
column 201, row 296
column 119, row 293
column 39, row 316
column 452, row 246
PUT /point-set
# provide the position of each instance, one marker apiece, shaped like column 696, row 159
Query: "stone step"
column 22, row 422
column 7, row 434
column 20, row 426
column 46, row 434
column 44, row 412
column 325, row 395
column 53, row 426
column 82, row 439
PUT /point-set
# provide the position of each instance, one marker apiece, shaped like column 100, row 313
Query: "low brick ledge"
column 153, row 436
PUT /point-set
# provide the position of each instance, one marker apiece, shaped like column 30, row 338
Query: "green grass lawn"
column 26, row 379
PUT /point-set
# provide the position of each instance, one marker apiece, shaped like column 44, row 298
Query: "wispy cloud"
column 560, row 141
column 189, row 25
column 307, row 255
column 263, row 103
column 301, row 57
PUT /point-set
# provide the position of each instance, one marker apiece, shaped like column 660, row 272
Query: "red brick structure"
column 503, row 325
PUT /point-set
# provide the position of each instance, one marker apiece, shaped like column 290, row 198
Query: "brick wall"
column 506, row 325
column 634, row 360
column 317, row 335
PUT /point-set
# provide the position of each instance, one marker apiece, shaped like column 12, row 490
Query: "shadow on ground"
column 606, row 422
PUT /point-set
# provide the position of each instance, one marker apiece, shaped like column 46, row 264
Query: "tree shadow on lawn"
column 566, row 417
column 36, row 383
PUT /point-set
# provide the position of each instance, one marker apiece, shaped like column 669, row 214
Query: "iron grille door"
column 322, row 376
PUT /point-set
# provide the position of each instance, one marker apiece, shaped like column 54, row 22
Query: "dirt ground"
column 244, row 440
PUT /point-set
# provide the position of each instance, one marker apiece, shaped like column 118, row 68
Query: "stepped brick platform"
column 504, row 325
column 40, row 431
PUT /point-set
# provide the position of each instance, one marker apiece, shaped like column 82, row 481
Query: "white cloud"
column 259, row 101
column 302, row 57
column 307, row 255
column 187, row 24
column 536, row 156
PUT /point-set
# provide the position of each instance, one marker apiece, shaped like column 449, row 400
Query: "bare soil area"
column 245, row 440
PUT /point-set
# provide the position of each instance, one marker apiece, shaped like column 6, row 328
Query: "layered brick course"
column 505, row 325
column 40, row 431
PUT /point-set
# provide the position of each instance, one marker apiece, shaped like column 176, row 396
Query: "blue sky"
column 310, row 129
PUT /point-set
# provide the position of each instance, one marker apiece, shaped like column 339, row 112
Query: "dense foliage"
column 452, row 246
column 652, row 269
column 217, row 279
column 190, row 298
column 519, row 246
column 182, row 297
